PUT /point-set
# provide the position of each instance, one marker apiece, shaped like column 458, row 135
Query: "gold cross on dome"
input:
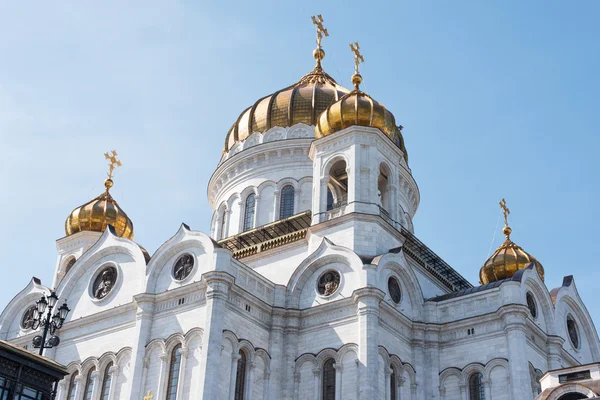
column 505, row 210
column 358, row 58
column 149, row 396
column 321, row 30
column 114, row 163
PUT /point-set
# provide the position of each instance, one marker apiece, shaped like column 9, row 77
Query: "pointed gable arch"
column 10, row 319
column 532, row 282
column 326, row 253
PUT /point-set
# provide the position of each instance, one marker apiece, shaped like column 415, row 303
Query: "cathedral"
column 310, row 285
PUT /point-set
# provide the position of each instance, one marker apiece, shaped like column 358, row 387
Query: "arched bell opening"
column 383, row 188
column 337, row 188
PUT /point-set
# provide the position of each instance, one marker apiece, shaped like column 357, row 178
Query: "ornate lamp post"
column 51, row 323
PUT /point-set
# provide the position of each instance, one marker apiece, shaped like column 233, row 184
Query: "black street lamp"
column 51, row 323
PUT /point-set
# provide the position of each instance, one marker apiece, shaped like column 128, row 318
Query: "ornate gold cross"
column 114, row 163
column 318, row 21
column 505, row 210
column 358, row 58
column 149, row 396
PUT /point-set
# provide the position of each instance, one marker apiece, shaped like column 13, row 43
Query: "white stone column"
column 553, row 350
column 514, row 318
column 163, row 375
column 463, row 391
column 141, row 333
column 94, row 378
column 316, row 385
column 400, row 385
column 487, row 383
column 388, row 375
column 79, row 382
column 251, row 366
column 367, row 304
column 113, row 372
column 413, row 391
column 338, row 381
column 256, row 210
column 296, row 386
column 233, row 374
column 182, row 366
column 297, row 198
column 266, row 385
column 276, row 341
column 432, row 360
column 217, row 292
column 276, row 200
column 418, row 347
column 290, row 352
column 320, row 200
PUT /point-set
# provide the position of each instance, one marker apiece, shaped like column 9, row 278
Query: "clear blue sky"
column 498, row 99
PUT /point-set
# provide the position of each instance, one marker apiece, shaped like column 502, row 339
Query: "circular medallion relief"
column 573, row 331
column 394, row 290
column 531, row 305
column 104, row 283
column 28, row 317
column 183, row 267
column 328, row 283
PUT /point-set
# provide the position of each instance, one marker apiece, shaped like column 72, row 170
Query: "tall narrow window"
column 249, row 212
column 106, row 381
column 240, row 377
column 329, row 199
column 223, row 223
column 286, row 206
column 393, row 395
column 89, row 387
column 476, row 391
column 71, row 392
column 328, row 380
column 174, row 373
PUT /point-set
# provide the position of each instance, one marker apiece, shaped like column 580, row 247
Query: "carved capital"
column 236, row 356
column 337, row 367
column 164, row 357
column 113, row 370
column 316, row 371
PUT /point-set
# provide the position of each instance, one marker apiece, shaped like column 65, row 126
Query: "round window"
column 28, row 317
column 573, row 331
column 394, row 290
column 328, row 283
column 183, row 267
column 104, row 283
column 531, row 305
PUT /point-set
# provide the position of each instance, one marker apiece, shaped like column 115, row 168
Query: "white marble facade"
column 269, row 305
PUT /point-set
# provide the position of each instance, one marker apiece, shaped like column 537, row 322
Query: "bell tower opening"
column 337, row 187
column 383, row 188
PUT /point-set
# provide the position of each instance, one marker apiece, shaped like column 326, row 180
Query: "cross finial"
column 148, row 396
column 114, row 162
column 358, row 58
column 507, row 231
column 321, row 30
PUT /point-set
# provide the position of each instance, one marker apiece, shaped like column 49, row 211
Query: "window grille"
column 240, row 379
column 106, row 381
column 328, row 380
column 89, row 388
column 476, row 391
column 174, row 373
column 286, row 206
column 249, row 212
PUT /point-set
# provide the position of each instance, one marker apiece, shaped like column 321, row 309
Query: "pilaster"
column 514, row 318
column 141, row 337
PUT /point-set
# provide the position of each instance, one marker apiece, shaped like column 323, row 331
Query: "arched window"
column 393, row 395
column 329, row 380
column 476, row 391
column 240, row 377
column 174, row 373
column 249, row 212
column 106, row 380
column 286, row 205
column 71, row 391
column 89, row 387
column 70, row 265
column 223, row 223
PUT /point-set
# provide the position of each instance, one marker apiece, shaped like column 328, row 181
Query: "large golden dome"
column 302, row 102
column 97, row 214
column 358, row 108
column 506, row 261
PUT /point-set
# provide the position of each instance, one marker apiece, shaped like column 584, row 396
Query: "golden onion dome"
column 301, row 102
column 97, row 214
column 506, row 261
column 359, row 109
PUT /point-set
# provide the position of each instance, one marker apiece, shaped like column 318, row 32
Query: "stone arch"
column 586, row 325
column 323, row 356
column 396, row 263
column 532, row 282
column 250, row 190
column 568, row 388
column 232, row 339
column 345, row 349
column 471, row 369
column 384, row 355
column 13, row 312
column 331, row 160
column 327, row 253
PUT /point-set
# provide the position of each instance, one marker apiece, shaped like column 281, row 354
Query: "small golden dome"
column 506, row 261
column 301, row 102
column 358, row 108
column 97, row 214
